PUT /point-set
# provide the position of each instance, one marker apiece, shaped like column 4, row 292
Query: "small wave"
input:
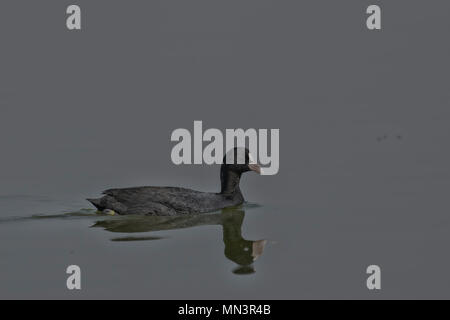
column 251, row 205
column 79, row 213
column 125, row 239
column 94, row 213
column 74, row 214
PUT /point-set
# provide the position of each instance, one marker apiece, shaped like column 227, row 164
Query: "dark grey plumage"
column 171, row 201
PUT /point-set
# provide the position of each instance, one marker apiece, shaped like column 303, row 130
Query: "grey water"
column 364, row 147
column 317, row 249
column 128, row 256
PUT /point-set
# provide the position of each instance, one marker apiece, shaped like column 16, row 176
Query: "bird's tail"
column 97, row 203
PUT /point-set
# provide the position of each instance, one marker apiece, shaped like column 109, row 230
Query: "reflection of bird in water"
column 237, row 249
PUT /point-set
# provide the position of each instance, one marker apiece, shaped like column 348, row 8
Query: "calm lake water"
column 255, row 251
column 364, row 147
column 139, row 257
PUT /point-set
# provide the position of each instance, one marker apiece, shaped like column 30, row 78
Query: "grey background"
column 81, row 111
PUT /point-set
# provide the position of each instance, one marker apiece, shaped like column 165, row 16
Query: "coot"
column 171, row 201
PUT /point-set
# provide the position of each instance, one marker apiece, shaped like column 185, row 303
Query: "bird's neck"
column 230, row 183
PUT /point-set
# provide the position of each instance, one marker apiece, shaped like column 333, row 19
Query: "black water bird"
column 171, row 201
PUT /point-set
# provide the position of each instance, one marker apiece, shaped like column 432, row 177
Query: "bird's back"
column 162, row 201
